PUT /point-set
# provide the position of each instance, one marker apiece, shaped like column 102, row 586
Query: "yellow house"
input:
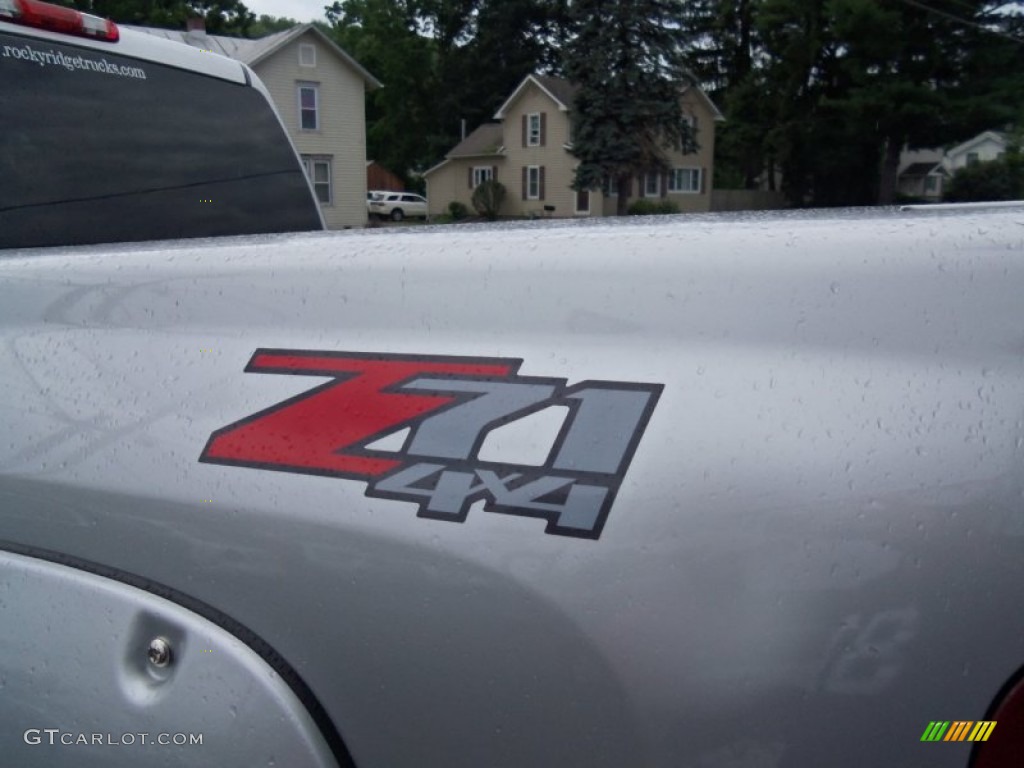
column 529, row 152
column 320, row 92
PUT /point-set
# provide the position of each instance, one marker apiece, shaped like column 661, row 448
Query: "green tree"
column 441, row 62
column 385, row 37
column 512, row 39
column 990, row 90
column 831, row 91
column 482, row 49
column 1000, row 179
column 625, row 57
column 899, row 69
column 268, row 25
column 222, row 17
column 722, row 41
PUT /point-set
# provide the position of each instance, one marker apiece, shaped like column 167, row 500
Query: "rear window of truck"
column 97, row 147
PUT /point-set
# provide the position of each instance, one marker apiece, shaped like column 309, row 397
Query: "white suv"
column 397, row 205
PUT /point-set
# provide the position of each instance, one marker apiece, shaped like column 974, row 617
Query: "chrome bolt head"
column 159, row 652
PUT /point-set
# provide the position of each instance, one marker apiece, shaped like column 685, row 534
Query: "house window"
column 318, row 169
column 688, row 142
column 533, row 130
column 583, row 201
column 307, row 55
column 684, row 180
column 652, row 184
column 533, row 182
column 482, row 174
column 309, row 106
column 931, row 184
column 611, row 188
column 972, row 158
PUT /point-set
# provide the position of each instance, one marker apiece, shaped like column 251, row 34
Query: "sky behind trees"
column 300, row 10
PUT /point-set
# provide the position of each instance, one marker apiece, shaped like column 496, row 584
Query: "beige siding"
column 443, row 187
column 703, row 158
column 342, row 130
column 451, row 182
column 557, row 162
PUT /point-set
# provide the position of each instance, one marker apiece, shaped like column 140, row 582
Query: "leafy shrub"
column 457, row 210
column 1001, row 179
column 488, row 197
column 644, row 207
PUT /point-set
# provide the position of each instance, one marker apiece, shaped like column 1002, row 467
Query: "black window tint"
column 308, row 108
column 123, row 149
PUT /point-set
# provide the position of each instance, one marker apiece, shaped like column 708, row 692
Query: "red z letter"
column 320, row 431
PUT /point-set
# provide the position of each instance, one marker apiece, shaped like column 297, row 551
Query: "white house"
column 982, row 148
column 924, row 173
column 319, row 90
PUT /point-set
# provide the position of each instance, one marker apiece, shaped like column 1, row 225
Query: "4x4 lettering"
column 579, row 511
column 448, row 498
column 565, row 502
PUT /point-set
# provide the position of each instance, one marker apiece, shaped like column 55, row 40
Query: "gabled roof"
column 563, row 93
column 485, row 141
column 252, row 52
column 981, row 138
column 559, row 90
column 923, row 169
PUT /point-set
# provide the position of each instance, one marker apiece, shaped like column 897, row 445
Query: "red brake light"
column 54, row 18
column 1006, row 745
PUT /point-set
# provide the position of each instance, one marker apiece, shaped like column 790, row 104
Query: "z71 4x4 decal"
column 448, row 405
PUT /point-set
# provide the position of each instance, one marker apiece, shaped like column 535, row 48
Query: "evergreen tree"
column 898, row 68
column 831, row 91
column 513, row 38
column 990, row 88
column 625, row 57
column 722, row 41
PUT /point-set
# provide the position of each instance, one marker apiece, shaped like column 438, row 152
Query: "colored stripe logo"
column 958, row 730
